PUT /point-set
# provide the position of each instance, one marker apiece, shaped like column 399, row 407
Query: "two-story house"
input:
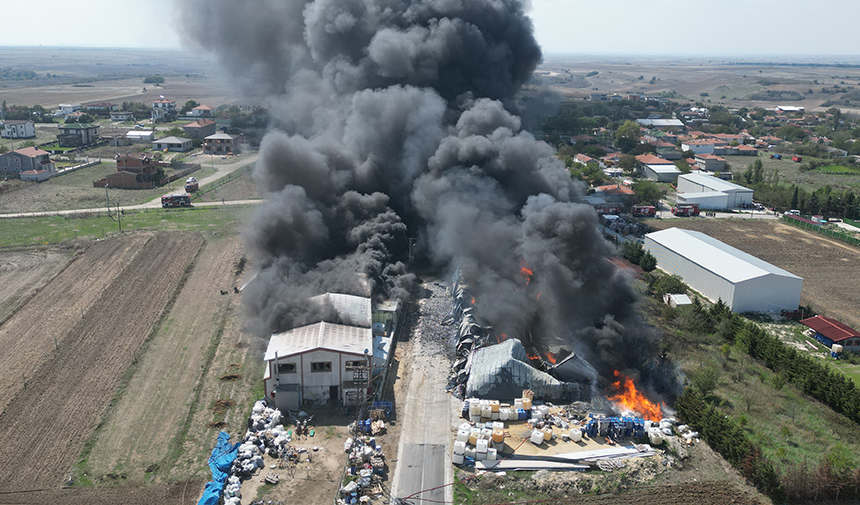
column 77, row 134
column 220, row 144
column 162, row 108
column 18, row 129
column 25, row 159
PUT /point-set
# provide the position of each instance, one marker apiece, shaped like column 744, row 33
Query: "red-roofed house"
column 202, row 111
column 710, row 163
column 830, row 331
column 585, row 160
column 24, row 159
column 650, row 159
column 615, row 193
column 201, row 128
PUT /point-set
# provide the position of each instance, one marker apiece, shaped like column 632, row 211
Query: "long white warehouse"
column 719, row 271
column 692, row 185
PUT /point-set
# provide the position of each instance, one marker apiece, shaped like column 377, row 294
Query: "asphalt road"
column 423, row 468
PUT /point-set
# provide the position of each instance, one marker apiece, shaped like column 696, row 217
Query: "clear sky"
column 620, row 27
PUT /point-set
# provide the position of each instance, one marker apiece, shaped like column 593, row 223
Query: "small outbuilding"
column 830, row 331
column 172, row 144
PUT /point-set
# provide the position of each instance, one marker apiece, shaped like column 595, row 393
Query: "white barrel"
column 470, row 452
column 498, row 425
column 487, row 433
column 459, row 447
column 503, row 414
column 475, row 418
column 486, row 411
column 836, row 348
column 536, row 437
column 492, row 454
column 518, row 403
column 458, row 459
column 537, row 414
column 463, row 435
column 482, row 446
column 576, row 435
column 474, row 408
column 655, row 437
column 480, row 456
column 544, row 410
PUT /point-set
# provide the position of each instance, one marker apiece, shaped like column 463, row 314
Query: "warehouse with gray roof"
column 718, row 271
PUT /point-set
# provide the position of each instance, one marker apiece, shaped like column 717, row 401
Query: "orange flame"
column 628, row 396
column 530, row 356
column 538, row 297
column 526, row 272
column 473, row 300
column 551, row 358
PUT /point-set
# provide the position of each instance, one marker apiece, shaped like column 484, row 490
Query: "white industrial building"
column 318, row 362
column 719, row 271
column 661, row 173
column 712, row 192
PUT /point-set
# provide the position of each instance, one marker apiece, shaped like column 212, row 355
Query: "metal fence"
column 838, row 235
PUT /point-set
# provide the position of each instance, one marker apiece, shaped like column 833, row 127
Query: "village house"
column 220, row 144
column 162, row 108
column 122, row 116
column 201, row 128
column 134, row 171
column 78, row 134
column 25, row 159
column 19, row 129
column 710, row 163
column 176, row 144
column 202, row 111
column 102, row 106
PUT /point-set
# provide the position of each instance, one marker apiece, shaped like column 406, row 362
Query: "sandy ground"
column 46, row 425
column 828, row 267
column 24, row 273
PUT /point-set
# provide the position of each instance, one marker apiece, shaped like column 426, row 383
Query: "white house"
column 721, row 272
column 162, row 107
column 700, row 146
column 67, row 108
column 19, row 129
column 172, row 144
column 140, row 136
column 122, row 116
column 691, row 184
column 202, row 111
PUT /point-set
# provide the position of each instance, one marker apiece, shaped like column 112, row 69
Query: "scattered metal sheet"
column 511, row 465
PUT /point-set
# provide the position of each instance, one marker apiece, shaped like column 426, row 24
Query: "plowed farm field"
column 828, row 267
column 67, row 348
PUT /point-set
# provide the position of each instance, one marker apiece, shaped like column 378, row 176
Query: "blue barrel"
column 521, row 415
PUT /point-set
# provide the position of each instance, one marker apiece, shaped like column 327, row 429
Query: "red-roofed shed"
column 830, row 331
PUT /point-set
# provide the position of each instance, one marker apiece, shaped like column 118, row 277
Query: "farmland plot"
column 46, row 424
column 24, row 273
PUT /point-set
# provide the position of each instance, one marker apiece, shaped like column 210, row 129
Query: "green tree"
column 648, row 262
column 627, row 136
column 648, row 192
column 627, row 163
column 706, row 379
column 683, row 166
column 671, row 284
column 153, row 79
column 633, row 251
column 4, row 149
column 794, row 200
column 758, row 169
column 190, row 104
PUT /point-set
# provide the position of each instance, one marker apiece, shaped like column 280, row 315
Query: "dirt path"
column 46, row 425
column 24, row 273
column 156, row 402
column 27, row 338
column 423, row 458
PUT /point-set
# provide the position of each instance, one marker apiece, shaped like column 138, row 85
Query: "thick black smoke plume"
column 390, row 121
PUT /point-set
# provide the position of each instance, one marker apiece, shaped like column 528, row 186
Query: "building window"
column 321, row 366
column 351, row 365
column 286, row 368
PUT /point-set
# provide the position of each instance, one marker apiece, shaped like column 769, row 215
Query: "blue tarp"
column 222, row 457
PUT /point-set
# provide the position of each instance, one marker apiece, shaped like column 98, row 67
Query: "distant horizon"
column 798, row 58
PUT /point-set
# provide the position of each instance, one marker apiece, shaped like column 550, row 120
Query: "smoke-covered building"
column 318, row 362
column 718, row 271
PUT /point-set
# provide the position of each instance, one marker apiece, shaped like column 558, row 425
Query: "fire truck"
column 686, row 209
column 644, row 211
column 191, row 184
column 607, row 208
column 176, row 200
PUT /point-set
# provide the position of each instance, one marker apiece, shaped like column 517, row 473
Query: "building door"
column 333, row 394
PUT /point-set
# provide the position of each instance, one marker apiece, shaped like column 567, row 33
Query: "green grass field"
column 789, row 172
column 22, row 232
column 837, row 170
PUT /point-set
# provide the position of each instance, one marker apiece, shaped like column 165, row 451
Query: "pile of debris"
column 470, row 335
column 366, row 469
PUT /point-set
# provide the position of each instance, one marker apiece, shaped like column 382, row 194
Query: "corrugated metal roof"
column 709, row 253
column 355, row 310
column 664, row 169
column 333, row 337
column 714, row 183
column 502, row 371
column 830, row 328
